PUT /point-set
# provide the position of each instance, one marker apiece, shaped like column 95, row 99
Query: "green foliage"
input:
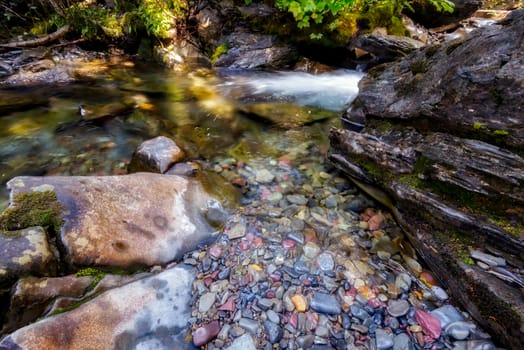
column 307, row 11
column 90, row 21
column 335, row 14
column 158, row 16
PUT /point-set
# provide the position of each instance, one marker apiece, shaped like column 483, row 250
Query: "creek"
column 306, row 261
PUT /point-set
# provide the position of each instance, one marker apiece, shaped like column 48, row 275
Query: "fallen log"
column 38, row 41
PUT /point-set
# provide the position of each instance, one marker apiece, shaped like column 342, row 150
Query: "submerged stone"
column 156, row 155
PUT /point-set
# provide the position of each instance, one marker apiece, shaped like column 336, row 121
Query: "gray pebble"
column 274, row 331
column 402, row 342
column 459, row 330
column 384, row 340
column 397, row 308
column 206, row 302
column 249, row 325
column 244, row 342
column 447, row 314
column 325, row 303
column 273, row 316
column 298, row 199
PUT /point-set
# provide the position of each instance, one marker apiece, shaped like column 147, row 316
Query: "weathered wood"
column 38, row 41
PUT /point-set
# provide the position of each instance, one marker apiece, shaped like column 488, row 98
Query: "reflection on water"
column 199, row 110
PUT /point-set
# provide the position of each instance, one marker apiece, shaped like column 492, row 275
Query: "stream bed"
column 306, row 261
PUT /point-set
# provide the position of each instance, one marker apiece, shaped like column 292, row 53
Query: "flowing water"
column 41, row 132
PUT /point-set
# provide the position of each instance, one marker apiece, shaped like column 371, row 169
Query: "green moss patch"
column 39, row 208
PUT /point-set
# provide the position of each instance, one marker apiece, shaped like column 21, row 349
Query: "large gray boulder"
column 441, row 142
column 472, row 86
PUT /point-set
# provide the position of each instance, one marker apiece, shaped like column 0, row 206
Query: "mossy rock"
column 37, row 208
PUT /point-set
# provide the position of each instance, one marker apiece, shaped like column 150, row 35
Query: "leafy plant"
column 335, row 14
column 158, row 16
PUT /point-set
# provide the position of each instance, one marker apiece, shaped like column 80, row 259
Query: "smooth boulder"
column 151, row 313
column 128, row 221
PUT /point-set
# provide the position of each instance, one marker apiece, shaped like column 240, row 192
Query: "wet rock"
column 264, row 176
column 386, row 48
column 244, row 342
column 206, row 302
column 459, row 330
column 274, row 332
column 287, row 115
column 384, row 340
column 402, row 342
column 31, row 297
column 487, row 258
column 299, row 302
column 24, row 252
column 397, row 308
column 325, row 303
column 156, row 155
column 447, row 314
column 130, row 316
column 110, row 221
column 204, row 334
column 250, row 51
column 429, row 323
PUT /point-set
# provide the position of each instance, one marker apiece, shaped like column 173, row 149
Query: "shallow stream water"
column 44, row 135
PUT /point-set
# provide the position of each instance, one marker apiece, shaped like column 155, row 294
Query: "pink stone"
column 288, row 244
column 429, row 323
column 205, row 334
column 376, row 222
column 215, row 251
column 374, row 303
column 293, row 320
column 229, row 305
column 275, row 277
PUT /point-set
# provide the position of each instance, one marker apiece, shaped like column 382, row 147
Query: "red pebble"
column 275, row 277
column 429, row 323
column 293, row 320
column 215, row 251
column 352, row 292
column 257, row 242
column 229, row 305
column 205, row 334
column 374, row 303
column 288, row 244
column 208, row 281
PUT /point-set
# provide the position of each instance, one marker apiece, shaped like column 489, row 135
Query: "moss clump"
column 38, row 208
column 219, row 51
column 479, row 126
column 420, row 66
column 459, row 244
column 500, row 132
column 90, row 271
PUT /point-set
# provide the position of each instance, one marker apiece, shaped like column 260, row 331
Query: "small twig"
column 13, row 12
column 81, row 40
